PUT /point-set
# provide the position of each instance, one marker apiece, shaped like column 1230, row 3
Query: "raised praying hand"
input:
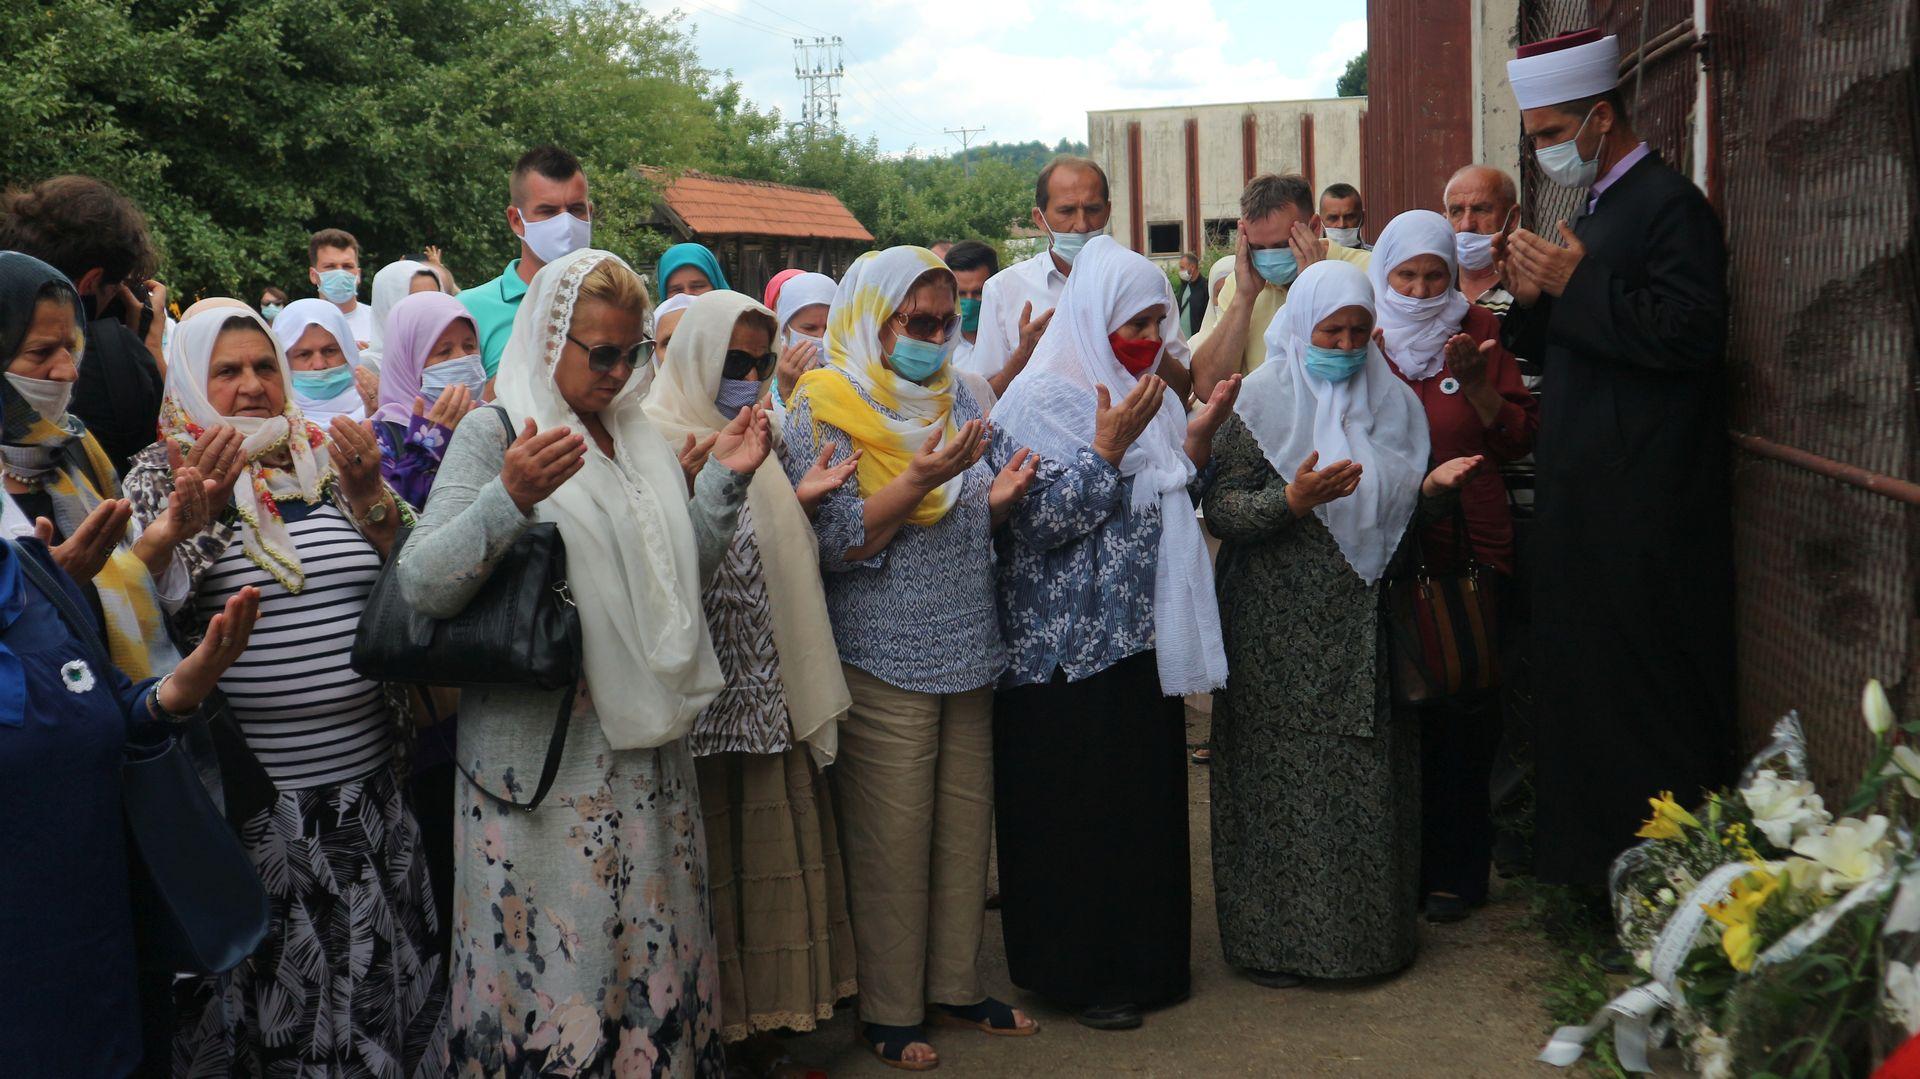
column 93, row 540
column 1116, row 427
column 743, row 444
column 1011, row 485
column 1450, row 476
column 824, row 478
column 1209, row 417
column 1317, row 486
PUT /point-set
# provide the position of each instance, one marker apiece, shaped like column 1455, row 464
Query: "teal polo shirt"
column 493, row 306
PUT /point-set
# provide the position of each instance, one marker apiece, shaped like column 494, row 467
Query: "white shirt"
column 360, row 320
column 1035, row 280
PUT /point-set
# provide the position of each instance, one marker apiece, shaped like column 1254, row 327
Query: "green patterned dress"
column 1316, row 779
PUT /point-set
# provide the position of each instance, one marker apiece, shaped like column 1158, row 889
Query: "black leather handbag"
column 520, row 629
column 199, row 898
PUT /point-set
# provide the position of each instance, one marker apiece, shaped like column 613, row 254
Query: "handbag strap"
column 556, row 745
column 77, row 624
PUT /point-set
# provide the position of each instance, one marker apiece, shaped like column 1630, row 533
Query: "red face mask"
column 1135, row 354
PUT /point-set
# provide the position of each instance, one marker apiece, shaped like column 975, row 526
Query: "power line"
column 817, row 65
column 964, row 134
column 783, row 15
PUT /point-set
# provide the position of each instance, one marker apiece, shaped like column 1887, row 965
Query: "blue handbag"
column 208, row 909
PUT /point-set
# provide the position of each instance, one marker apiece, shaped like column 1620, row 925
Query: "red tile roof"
column 724, row 206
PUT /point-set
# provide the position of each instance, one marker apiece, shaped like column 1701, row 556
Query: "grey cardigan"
column 469, row 523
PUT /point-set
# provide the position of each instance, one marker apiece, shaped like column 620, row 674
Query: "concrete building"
column 1177, row 172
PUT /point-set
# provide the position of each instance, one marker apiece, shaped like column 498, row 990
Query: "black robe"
column 1632, row 556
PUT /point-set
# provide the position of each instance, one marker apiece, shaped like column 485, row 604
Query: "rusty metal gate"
column 1800, row 119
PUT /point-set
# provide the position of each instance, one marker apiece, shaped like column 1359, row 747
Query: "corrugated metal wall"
column 1419, row 123
column 1813, row 167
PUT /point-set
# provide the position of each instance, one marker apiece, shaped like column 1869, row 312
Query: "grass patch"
column 1577, row 987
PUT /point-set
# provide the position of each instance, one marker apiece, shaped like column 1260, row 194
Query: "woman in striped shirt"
column 347, row 980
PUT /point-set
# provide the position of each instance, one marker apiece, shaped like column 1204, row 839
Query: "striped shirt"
column 310, row 719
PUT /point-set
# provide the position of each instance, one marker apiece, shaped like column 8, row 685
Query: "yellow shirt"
column 1265, row 306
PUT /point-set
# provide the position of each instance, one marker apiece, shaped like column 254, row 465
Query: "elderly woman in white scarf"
column 582, row 937
column 328, row 377
column 774, row 869
column 303, row 517
column 1323, row 470
column 1106, row 597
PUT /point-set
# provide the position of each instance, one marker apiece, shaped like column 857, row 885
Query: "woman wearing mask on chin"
column 1323, row 470
column 328, row 379
column 433, row 378
column 774, row 868
column 1106, row 597
column 583, row 939
column 908, row 559
column 1449, row 351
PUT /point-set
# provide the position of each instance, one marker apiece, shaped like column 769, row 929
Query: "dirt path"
column 1470, row 1006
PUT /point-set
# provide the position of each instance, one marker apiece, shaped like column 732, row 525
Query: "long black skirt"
column 1090, row 799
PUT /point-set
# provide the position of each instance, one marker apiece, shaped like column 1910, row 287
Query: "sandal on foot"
column 1203, row 755
column 990, row 1016
column 890, row 1045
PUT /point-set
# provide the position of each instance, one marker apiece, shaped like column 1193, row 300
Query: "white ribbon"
column 1631, row 1015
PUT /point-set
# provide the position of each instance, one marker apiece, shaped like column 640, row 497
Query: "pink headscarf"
column 772, row 297
column 412, row 327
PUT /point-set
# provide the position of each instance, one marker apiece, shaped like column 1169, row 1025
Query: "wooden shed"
column 758, row 228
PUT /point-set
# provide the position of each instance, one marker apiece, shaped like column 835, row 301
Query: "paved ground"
column 1470, row 1006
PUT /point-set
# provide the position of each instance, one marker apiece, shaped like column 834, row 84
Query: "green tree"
column 1353, row 81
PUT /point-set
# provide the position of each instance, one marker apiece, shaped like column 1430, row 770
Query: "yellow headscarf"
column 856, row 385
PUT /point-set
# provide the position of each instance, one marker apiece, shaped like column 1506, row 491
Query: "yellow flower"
column 1667, row 820
column 1738, row 912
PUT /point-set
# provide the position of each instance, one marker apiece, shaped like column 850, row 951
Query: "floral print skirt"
column 347, row 982
column 582, row 936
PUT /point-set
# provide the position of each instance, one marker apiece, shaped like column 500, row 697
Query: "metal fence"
column 1809, row 127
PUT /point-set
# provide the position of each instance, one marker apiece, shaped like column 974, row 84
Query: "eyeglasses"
column 740, row 361
column 929, row 327
column 604, row 358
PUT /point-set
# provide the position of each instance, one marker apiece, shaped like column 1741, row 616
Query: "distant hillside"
column 1025, row 157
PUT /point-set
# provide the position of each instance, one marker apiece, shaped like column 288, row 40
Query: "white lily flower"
column 1785, row 808
column 1902, row 999
column 1850, row 853
column 1906, row 765
column 1876, row 707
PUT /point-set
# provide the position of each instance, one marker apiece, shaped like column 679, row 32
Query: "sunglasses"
column 740, row 361
column 929, row 327
column 604, row 358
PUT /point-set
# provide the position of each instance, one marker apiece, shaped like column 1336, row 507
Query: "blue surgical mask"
column 466, row 371
column 1277, row 265
column 1068, row 244
column 916, row 360
column 339, row 286
column 970, row 315
column 1563, row 164
column 323, row 385
column 736, row 394
column 270, row 311
column 1335, row 364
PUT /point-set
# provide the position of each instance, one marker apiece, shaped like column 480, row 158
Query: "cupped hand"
column 538, row 462
column 355, row 453
column 824, row 478
column 226, row 639
column 1012, row 482
column 1313, row 486
column 938, row 462
column 93, row 541
column 450, row 408
column 1451, row 476
column 219, row 455
column 1116, row 427
column 796, row 359
column 742, row 445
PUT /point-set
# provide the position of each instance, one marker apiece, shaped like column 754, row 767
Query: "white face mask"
column 556, row 237
column 1473, row 249
column 48, row 397
column 1345, row 237
column 1563, row 164
column 465, row 371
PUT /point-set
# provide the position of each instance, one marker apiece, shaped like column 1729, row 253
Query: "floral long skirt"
column 348, row 982
column 582, row 937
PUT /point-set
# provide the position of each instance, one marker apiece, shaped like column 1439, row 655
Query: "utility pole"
column 817, row 65
column 964, row 134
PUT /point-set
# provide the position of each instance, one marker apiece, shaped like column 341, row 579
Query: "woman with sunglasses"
column 773, row 862
column 908, row 560
column 582, row 938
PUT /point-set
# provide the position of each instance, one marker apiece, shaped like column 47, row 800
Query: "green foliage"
column 240, row 126
column 1353, row 81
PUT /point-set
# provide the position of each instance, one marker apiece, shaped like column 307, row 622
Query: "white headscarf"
column 679, row 301
column 293, row 322
column 187, row 413
column 1416, row 330
column 631, row 561
column 1050, row 410
column 682, row 404
column 392, row 284
column 802, row 292
column 1372, row 418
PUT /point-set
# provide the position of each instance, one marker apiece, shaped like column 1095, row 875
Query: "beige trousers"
column 914, row 789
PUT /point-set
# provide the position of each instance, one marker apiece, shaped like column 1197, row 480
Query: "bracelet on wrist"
column 159, row 711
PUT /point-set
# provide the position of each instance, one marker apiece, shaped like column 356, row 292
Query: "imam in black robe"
column 1633, row 549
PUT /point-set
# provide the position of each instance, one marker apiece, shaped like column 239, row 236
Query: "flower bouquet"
column 1777, row 940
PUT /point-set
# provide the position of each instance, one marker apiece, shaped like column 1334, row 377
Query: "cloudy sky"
column 1028, row 69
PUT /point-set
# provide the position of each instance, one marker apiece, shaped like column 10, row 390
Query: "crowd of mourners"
column 879, row 579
